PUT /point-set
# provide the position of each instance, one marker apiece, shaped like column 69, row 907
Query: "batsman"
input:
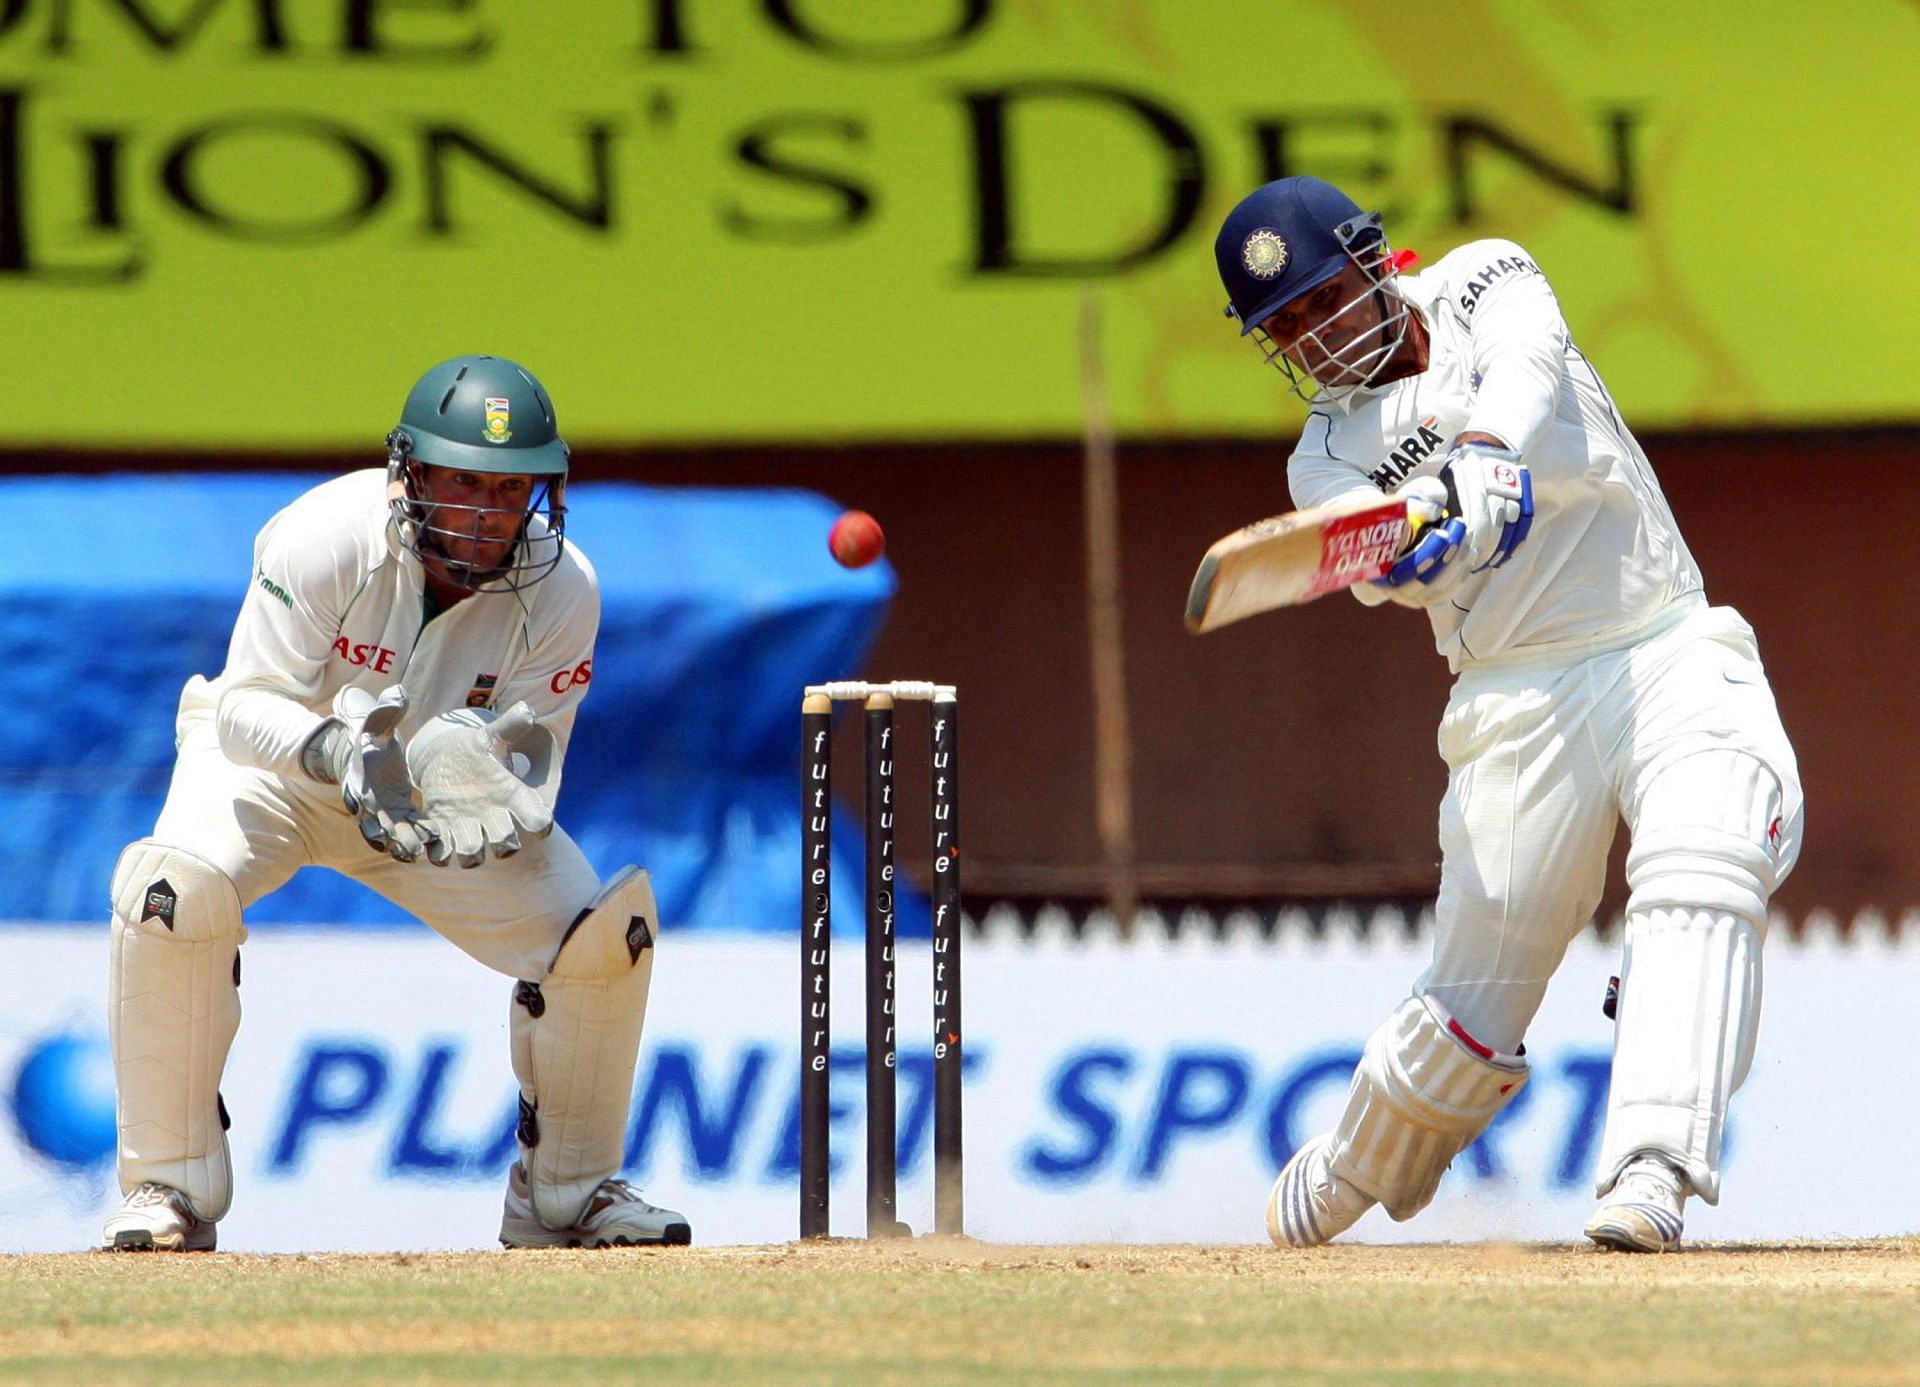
column 1594, row 684
column 389, row 614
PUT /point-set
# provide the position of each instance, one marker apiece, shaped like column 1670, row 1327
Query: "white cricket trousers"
column 1546, row 757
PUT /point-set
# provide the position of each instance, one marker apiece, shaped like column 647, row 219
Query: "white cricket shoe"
column 1310, row 1204
column 1641, row 1213
column 615, row 1216
column 157, row 1218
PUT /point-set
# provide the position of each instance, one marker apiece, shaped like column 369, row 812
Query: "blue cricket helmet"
column 1285, row 238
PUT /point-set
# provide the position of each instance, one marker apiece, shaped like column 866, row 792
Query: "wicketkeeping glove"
column 358, row 750
column 1490, row 489
column 464, row 763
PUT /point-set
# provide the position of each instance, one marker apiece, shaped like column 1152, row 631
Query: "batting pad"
column 1708, row 850
column 1688, row 1016
column 1424, row 1089
column 173, row 1005
column 576, row 1036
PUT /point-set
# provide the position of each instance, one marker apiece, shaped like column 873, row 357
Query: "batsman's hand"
column 480, row 777
column 1492, row 490
column 1429, row 556
column 359, row 750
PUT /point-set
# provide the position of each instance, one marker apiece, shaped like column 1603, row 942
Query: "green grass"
column 944, row 1312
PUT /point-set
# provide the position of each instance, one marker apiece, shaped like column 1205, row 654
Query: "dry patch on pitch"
column 951, row 1310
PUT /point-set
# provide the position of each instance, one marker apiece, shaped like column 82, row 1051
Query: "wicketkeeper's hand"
column 358, row 750
column 1490, row 489
column 464, row 763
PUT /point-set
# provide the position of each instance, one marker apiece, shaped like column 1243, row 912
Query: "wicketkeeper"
column 1594, row 684
column 389, row 614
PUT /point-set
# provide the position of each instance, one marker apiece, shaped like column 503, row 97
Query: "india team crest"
column 498, row 417
column 1264, row 254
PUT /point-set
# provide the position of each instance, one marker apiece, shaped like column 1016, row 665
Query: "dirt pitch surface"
column 942, row 1311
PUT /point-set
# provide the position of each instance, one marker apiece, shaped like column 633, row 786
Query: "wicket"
column 816, row 939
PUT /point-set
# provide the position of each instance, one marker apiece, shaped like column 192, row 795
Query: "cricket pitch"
column 953, row 1311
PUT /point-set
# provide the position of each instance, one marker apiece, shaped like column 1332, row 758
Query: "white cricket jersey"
column 1604, row 558
column 335, row 600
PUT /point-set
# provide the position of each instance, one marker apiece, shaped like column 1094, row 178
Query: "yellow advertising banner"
column 252, row 223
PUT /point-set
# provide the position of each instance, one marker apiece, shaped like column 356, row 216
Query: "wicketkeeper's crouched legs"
column 1424, row 1089
column 173, row 1007
column 576, row 1039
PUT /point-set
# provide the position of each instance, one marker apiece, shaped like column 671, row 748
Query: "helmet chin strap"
column 462, row 575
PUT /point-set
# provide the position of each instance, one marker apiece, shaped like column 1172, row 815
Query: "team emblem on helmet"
column 1264, row 254
column 497, row 420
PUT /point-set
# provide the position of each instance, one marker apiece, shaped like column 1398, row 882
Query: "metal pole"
column 816, row 951
column 949, row 1201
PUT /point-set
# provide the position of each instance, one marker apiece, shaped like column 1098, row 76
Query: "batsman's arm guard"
column 576, row 1039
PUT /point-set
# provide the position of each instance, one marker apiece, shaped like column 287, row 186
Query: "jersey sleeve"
column 1315, row 477
column 281, row 640
column 1519, row 343
column 554, row 677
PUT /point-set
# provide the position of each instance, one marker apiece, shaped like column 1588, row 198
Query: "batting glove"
column 1436, row 535
column 1492, row 490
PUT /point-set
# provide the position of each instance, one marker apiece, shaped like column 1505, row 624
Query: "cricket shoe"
column 1641, row 1213
column 615, row 1216
column 157, row 1218
column 1310, row 1204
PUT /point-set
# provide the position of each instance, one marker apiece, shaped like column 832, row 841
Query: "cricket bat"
column 1293, row 558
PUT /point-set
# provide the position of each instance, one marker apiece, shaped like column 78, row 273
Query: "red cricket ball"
column 856, row 539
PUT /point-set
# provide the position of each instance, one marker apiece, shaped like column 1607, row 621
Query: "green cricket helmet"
column 479, row 414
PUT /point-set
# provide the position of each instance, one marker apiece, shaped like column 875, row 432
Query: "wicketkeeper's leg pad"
column 173, row 1006
column 576, row 1038
column 1704, row 862
column 1423, row 1091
